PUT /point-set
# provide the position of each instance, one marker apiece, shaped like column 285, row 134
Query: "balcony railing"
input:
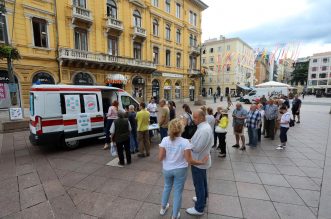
column 114, row 23
column 139, row 31
column 193, row 71
column 194, row 50
column 103, row 58
column 81, row 13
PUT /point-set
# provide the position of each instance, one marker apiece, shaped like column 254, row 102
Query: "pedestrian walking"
column 284, row 127
column 164, row 119
column 221, row 97
column 152, row 109
column 111, row 116
column 175, row 154
column 239, row 116
column 296, row 106
column 253, row 120
column 202, row 141
column 214, row 97
column 221, row 130
column 120, row 134
column 229, row 101
column 217, row 116
column 143, row 117
column 271, row 112
column 133, row 135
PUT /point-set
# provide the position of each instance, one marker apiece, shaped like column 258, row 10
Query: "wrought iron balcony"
column 114, row 24
column 79, row 58
column 81, row 14
column 139, row 32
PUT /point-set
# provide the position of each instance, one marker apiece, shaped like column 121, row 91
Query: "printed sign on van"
column 72, row 104
column 84, row 123
column 90, row 102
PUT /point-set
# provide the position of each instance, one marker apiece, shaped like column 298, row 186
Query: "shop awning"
column 244, row 87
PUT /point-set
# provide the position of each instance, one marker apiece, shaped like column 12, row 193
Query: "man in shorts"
column 239, row 116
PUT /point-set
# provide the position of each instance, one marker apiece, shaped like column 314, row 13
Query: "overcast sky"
column 269, row 23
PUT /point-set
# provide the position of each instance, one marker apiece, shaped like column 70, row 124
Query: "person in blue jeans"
column 133, row 134
column 253, row 121
column 175, row 154
column 202, row 142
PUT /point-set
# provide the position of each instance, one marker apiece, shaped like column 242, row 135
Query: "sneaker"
column 106, row 146
column 164, row 210
column 192, row 211
column 280, row 147
column 194, row 199
column 221, row 155
column 242, row 148
column 236, row 146
column 178, row 216
column 218, row 148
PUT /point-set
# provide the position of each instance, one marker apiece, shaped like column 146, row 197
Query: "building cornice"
column 201, row 4
column 25, row 6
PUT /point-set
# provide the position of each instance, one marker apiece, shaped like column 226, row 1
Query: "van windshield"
column 253, row 92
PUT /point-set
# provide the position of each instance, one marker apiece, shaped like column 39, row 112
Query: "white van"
column 67, row 114
column 268, row 92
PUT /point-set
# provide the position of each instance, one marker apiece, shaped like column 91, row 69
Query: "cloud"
column 306, row 21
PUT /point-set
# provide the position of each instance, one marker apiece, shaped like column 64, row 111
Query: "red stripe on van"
column 65, row 89
column 69, row 122
column 63, row 122
column 97, row 119
column 52, row 122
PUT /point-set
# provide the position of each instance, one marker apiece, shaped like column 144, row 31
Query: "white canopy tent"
column 273, row 84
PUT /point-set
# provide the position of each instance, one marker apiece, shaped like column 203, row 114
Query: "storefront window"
column 167, row 90
column 43, row 78
column 177, row 90
column 156, row 90
column 83, row 79
column 138, row 90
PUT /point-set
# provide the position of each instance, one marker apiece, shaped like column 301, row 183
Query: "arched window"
column 155, row 27
column 43, row 78
column 168, row 32
column 111, row 9
column 136, row 18
column 83, row 78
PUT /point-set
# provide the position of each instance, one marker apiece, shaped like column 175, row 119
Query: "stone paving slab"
column 48, row 182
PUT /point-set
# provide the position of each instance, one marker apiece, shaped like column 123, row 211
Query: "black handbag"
column 190, row 129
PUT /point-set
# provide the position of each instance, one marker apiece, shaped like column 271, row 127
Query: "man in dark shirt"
column 296, row 106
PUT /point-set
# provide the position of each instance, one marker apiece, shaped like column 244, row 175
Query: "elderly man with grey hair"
column 202, row 142
column 120, row 134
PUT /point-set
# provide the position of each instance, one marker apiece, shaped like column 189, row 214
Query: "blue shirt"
column 253, row 119
column 271, row 112
column 239, row 113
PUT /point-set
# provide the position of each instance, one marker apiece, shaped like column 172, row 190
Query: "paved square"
column 48, row 182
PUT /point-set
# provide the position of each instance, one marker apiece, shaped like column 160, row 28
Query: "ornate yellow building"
column 147, row 47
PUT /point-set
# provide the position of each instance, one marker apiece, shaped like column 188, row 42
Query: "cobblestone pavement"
column 261, row 183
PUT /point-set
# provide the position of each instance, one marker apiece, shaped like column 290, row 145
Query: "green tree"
column 300, row 73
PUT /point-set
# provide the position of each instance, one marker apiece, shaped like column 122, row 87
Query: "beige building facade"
column 229, row 66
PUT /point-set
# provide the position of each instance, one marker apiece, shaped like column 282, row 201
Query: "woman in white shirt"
column 175, row 154
column 284, row 126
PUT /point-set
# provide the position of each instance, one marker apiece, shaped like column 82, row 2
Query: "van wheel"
column 70, row 145
column 247, row 101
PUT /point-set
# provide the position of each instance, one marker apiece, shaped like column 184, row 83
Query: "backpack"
column 190, row 129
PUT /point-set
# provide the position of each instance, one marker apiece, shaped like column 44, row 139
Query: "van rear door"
column 82, row 115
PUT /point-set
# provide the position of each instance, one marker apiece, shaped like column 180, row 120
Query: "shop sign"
column 43, row 78
column 191, row 88
column 109, row 81
column 156, row 74
column 2, row 91
column 177, row 87
column 170, row 75
column 116, row 79
column 167, row 87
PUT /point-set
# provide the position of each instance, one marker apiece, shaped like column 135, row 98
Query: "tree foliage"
column 9, row 52
column 300, row 73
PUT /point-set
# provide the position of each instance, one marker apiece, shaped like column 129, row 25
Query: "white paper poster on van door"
column 84, row 123
column 72, row 104
column 90, row 104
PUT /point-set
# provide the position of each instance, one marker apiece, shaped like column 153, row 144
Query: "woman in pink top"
column 111, row 116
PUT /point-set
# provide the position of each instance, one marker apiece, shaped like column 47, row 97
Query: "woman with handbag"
column 217, row 116
column 221, row 130
column 189, row 126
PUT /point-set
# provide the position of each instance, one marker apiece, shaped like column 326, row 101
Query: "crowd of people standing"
column 187, row 139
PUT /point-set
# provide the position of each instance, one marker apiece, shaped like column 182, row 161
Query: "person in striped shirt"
column 253, row 121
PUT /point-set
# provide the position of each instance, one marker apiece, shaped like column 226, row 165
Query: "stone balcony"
column 114, row 24
column 194, row 50
column 194, row 72
column 139, row 32
column 82, row 15
column 85, row 59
